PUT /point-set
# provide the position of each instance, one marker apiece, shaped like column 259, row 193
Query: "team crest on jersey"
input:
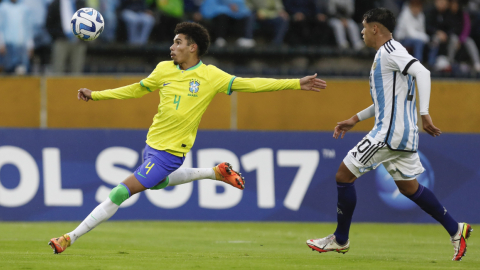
column 194, row 86
column 374, row 66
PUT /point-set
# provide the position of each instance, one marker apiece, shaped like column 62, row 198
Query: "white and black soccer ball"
column 87, row 24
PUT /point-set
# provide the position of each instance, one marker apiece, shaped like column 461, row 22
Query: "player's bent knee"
column 341, row 177
column 119, row 194
column 406, row 191
column 344, row 175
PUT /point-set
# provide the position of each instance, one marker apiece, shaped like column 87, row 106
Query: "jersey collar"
column 387, row 41
column 191, row 68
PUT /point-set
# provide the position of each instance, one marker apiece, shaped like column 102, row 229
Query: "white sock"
column 101, row 213
column 185, row 175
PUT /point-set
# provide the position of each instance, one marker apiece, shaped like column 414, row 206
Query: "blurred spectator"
column 341, row 12
column 192, row 10
column 38, row 19
column 460, row 23
column 16, row 36
column 108, row 9
column 474, row 9
column 93, row 4
column 226, row 16
column 308, row 22
column 269, row 13
column 410, row 29
column 171, row 13
column 41, row 39
column 393, row 5
column 138, row 19
column 1, row 55
column 66, row 47
column 438, row 29
column 362, row 6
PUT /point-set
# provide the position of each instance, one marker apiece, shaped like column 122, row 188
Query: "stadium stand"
column 113, row 53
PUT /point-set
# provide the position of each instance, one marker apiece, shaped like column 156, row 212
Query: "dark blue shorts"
column 157, row 165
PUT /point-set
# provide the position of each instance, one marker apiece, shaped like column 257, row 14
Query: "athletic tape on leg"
column 162, row 185
column 119, row 194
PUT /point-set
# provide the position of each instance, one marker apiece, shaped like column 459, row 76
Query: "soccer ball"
column 87, row 24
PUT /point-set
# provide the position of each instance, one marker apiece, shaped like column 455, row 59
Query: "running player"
column 186, row 87
column 393, row 141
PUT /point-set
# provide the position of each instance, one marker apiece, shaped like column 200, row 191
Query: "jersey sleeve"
column 400, row 60
column 422, row 75
column 254, row 85
column 126, row 92
column 151, row 83
column 135, row 90
column 221, row 80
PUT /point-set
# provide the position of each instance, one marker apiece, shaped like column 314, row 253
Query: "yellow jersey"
column 184, row 97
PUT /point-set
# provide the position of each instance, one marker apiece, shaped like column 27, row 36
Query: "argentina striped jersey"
column 393, row 94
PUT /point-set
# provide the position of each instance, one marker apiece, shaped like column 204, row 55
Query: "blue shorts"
column 157, row 165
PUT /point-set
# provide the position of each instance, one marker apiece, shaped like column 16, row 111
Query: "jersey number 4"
column 175, row 101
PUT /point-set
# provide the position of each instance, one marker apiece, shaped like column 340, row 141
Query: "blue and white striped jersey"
column 393, row 94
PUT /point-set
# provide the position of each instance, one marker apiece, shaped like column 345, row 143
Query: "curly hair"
column 382, row 16
column 195, row 33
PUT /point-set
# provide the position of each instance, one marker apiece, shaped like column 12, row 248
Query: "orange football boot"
column 225, row 173
column 60, row 244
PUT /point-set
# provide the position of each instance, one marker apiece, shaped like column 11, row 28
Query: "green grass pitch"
column 230, row 245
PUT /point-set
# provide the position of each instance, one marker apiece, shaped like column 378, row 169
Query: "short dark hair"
column 382, row 16
column 195, row 33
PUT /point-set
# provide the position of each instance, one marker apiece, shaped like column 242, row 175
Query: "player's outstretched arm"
column 84, row 94
column 429, row 127
column 312, row 83
column 344, row 126
column 255, row 85
column 136, row 90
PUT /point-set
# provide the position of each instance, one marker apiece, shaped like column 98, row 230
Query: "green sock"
column 162, row 184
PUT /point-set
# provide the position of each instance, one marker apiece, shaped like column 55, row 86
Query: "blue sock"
column 425, row 198
column 347, row 199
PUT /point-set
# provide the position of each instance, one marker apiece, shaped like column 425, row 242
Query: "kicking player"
column 393, row 141
column 186, row 87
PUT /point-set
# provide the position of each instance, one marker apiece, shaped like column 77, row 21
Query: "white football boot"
column 459, row 241
column 328, row 244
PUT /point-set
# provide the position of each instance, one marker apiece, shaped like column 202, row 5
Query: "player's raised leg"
column 222, row 172
column 101, row 213
column 156, row 167
column 347, row 200
column 423, row 197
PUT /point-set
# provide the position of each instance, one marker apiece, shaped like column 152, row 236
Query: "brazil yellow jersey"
column 184, row 97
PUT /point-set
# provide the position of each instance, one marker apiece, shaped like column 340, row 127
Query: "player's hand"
column 3, row 50
column 311, row 83
column 84, row 94
column 429, row 127
column 344, row 126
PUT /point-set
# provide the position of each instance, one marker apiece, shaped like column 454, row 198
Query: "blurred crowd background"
column 255, row 37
